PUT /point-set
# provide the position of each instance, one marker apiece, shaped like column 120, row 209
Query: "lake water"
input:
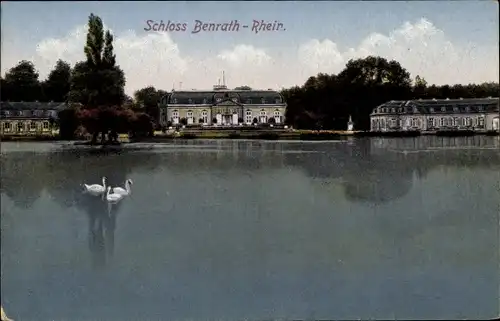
column 357, row 229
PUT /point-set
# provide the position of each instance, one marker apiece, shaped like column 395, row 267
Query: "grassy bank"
column 306, row 135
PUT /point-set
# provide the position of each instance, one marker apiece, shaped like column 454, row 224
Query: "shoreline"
column 298, row 135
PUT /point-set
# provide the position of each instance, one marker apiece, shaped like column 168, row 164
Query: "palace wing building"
column 222, row 106
column 478, row 114
column 28, row 118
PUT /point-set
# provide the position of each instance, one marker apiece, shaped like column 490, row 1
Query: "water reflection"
column 376, row 170
column 102, row 226
column 269, row 229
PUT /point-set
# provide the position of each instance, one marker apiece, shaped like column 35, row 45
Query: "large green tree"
column 21, row 83
column 98, row 83
column 147, row 99
column 98, row 80
column 57, row 85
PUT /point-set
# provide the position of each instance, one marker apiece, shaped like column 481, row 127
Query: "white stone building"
column 222, row 106
column 478, row 114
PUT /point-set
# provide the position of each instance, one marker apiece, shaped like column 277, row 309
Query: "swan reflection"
column 102, row 211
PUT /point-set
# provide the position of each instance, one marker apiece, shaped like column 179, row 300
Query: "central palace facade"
column 222, row 106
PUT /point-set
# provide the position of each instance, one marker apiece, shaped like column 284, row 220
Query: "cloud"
column 155, row 59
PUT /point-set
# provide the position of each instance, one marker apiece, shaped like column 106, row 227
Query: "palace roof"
column 439, row 106
column 35, row 105
column 189, row 97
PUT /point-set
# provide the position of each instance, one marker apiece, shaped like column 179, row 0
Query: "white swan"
column 96, row 189
column 124, row 191
column 113, row 198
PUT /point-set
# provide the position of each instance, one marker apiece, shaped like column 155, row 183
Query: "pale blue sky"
column 345, row 23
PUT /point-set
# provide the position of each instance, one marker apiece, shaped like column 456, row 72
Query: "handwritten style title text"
column 257, row 26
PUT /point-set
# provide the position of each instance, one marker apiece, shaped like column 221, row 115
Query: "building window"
column 263, row 100
column 175, row 117
column 468, row 121
column 19, row 113
column 190, row 118
column 263, row 116
column 455, row 109
column 480, row 121
column 455, row 121
column 204, row 100
column 431, row 109
column 204, row 116
column 32, row 125
column 190, row 101
column 6, row 127
column 249, row 101
column 441, row 122
column 430, row 122
column 467, row 109
column 175, row 100
column 218, row 99
column 45, row 125
column 248, row 117
column 481, row 108
column 443, row 109
column 393, row 110
column 20, row 127
column 277, row 116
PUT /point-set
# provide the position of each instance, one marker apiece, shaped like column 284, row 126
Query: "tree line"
column 96, row 86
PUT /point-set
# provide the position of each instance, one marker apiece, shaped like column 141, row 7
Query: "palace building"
column 222, row 106
column 28, row 118
column 478, row 114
